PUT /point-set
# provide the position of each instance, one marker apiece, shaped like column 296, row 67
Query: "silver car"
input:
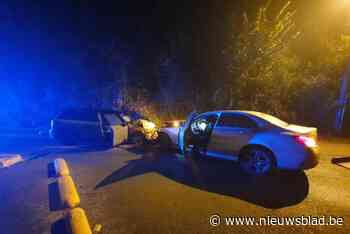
column 258, row 141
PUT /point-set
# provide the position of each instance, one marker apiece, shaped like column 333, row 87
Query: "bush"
column 268, row 74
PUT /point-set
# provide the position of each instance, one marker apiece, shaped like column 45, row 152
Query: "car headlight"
column 148, row 126
column 176, row 124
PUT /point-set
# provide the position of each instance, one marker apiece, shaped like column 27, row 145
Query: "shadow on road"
column 54, row 200
column 342, row 162
column 59, row 227
column 276, row 191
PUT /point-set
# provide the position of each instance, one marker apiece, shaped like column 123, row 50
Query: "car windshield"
column 271, row 119
column 126, row 118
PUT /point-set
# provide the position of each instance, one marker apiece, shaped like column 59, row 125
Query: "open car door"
column 182, row 131
column 118, row 127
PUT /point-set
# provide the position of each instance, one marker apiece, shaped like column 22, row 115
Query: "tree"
column 287, row 68
column 260, row 61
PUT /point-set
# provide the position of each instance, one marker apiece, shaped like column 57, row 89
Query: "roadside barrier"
column 68, row 194
column 77, row 222
column 60, row 167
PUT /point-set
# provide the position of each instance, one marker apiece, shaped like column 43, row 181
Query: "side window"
column 79, row 115
column 64, row 115
column 112, row 119
column 204, row 124
column 236, row 121
column 69, row 115
column 89, row 116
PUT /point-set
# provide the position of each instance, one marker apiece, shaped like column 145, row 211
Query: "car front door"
column 201, row 130
column 183, row 130
column 230, row 134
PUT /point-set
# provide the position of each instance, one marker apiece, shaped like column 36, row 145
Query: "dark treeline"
column 168, row 57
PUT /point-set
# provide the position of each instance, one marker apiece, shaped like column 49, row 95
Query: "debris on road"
column 97, row 228
column 7, row 160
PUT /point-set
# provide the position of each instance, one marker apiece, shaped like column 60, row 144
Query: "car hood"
column 174, row 130
column 302, row 130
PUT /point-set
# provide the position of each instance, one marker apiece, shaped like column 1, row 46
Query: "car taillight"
column 307, row 141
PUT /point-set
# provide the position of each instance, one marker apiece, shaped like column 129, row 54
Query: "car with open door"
column 89, row 126
column 259, row 142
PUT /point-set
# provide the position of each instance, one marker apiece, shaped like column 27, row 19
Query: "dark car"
column 89, row 126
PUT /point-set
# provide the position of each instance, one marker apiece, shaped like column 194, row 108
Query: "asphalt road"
column 148, row 192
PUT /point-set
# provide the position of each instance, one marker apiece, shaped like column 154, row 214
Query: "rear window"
column 236, row 121
column 271, row 119
column 112, row 119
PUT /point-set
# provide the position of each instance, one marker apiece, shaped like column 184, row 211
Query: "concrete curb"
column 77, row 222
column 68, row 194
column 60, row 167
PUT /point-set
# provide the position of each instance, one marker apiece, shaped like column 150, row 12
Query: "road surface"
column 127, row 191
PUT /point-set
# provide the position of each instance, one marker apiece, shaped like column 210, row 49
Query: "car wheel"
column 164, row 142
column 138, row 139
column 257, row 161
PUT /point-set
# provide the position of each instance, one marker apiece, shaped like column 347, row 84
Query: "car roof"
column 109, row 111
column 267, row 117
column 170, row 121
column 229, row 111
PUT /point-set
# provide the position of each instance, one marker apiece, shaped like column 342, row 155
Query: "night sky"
column 50, row 37
column 51, row 49
column 46, row 38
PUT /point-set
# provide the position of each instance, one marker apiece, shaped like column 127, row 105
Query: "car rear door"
column 89, row 126
column 230, row 134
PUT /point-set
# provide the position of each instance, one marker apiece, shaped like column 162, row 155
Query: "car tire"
column 257, row 161
column 138, row 139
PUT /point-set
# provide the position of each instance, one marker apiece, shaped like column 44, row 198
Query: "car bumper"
column 311, row 159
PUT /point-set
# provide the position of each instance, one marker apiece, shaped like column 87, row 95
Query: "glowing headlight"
column 148, row 126
column 176, row 124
